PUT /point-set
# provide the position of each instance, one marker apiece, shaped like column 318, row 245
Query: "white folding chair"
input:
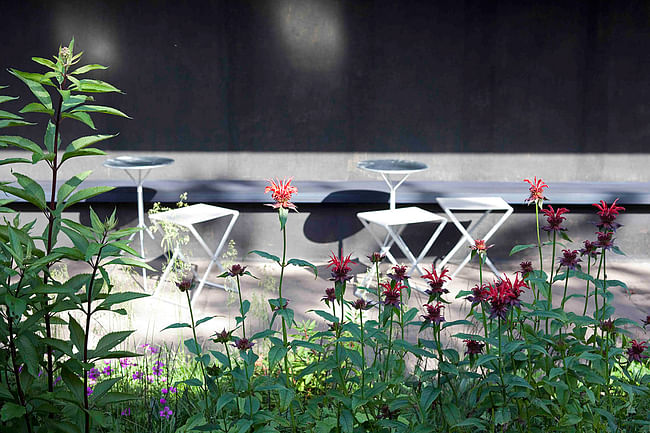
column 187, row 217
column 394, row 221
column 469, row 204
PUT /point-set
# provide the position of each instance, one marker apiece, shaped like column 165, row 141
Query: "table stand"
column 141, row 164
column 485, row 204
column 394, row 221
column 187, row 217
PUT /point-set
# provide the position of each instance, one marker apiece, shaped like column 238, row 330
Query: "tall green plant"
column 31, row 302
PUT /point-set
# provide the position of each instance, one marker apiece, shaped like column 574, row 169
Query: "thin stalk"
column 483, row 303
column 584, row 311
column 390, row 344
column 503, row 388
column 285, row 339
column 363, row 356
column 16, row 371
column 539, row 242
column 241, row 308
column 566, row 284
column 89, row 293
column 596, row 312
column 550, row 279
column 196, row 342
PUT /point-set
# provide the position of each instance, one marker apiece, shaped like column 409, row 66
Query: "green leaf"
column 518, row 248
column 95, row 86
column 76, row 333
column 71, row 184
column 45, row 62
column 15, row 161
column 10, row 411
column 127, row 261
column 205, row 319
column 85, row 194
column 115, row 397
column 224, row 400
column 265, row 255
column 109, row 341
column 192, row 346
column 347, row 421
column 88, row 68
column 176, row 325
column 34, row 86
column 29, row 353
column 303, row 263
column 81, row 117
column 4, row 98
column 276, row 353
column 325, row 315
column 10, row 122
column 100, row 109
column 37, row 107
column 8, row 115
column 49, row 136
column 22, row 143
column 88, row 140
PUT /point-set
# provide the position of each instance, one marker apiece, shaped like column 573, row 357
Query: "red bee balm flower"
column 473, row 347
column 608, row 215
column 479, row 294
column 399, row 273
column 480, row 247
column 434, row 313
column 392, row 294
column 340, row 268
column 536, row 191
column 281, row 193
column 569, row 259
column 554, row 218
column 436, row 281
column 635, row 351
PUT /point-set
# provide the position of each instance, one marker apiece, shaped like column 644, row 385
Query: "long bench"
column 368, row 192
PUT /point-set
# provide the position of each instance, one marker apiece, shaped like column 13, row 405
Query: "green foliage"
column 31, row 298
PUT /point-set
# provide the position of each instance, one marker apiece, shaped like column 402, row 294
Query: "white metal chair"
column 394, row 221
column 187, row 217
column 468, row 204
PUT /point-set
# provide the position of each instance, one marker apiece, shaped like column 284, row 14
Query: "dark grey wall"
column 317, row 75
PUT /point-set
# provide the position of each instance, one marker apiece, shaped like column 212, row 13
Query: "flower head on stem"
column 473, row 347
column 479, row 294
column 340, row 268
column 480, row 247
column 392, row 293
column 281, row 192
column 554, row 219
column 569, row 259
column 526, row 267
column 590, row 249
column 636, row 351
column 376, row 257
column 398, row 274
column 608, row 215
column 536, row 192
column 330, row 296
column 434, row 313
column 436, row 282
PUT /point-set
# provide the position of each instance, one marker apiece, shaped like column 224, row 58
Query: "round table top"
column 137, row 162
column 392, row 166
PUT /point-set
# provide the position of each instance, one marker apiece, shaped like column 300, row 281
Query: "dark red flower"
column 436, row 282
column 480, row 247
column 434, row 313
column 590, row 249
column 608, row 326
column 243, row 344
column 503, row 295
column 526, row 267
column 236, row 270
column 186, row 283
column 608, row 215
column 473, row 347
column 392, row 293
column 554, row 219
column 646, row 321
column 330, row 296
column 340, row 268
column 635, row 351
column 386, row 413
column 223, row 336
column 281, row 192
column 605, row 240
column 376, row 257
column 479, row 294
column 569, row 259
column 536, row 191
column 399, row 274
column 361, row 304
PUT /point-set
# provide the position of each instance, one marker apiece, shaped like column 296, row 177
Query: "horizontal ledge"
column 351, row 192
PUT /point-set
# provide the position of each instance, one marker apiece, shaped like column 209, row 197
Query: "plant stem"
column 363, row 356
column 16, row 370
column 584, row 311
column 390, row 343
column 550, row 279
column 483, row 303
column 241, row 308
column 539, row 242
column 566, row 284
column 196, row 347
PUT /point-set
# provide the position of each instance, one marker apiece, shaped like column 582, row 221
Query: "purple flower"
column 526, row 267
column 608, row 326
column 330, row 295
column 399, row 274
column 590, row 249
column 89, row 390
column 223, row 336
column 479, row 294
column 154, row 349
column 94, row 374
column 605, row 240
column 172, row 389
column 137, row 375
column 164, row 391
column 646, row 321
column 158, row 368
column 243, row 344
column 434, row 313
column 166, row 412
column 126, row 412
column 162, row 400
column 126, row 362
column 473, row 347
column 361, row 304
column 237, row 270
column 107, row 370
column 635, row 351
column 570, row 259
column 57, row 380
